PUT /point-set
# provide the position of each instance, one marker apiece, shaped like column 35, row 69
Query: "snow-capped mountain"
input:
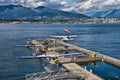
column 113, row 13
column 17, row 12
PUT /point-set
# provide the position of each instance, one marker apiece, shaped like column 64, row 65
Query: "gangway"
column 57, row 75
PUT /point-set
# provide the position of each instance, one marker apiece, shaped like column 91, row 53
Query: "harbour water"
column 102, row 38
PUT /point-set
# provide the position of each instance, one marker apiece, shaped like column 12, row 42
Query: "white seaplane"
column 65, row 38
column 40, row 53
column 53, row 58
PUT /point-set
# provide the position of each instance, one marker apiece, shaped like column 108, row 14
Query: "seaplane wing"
column 71, row 54
column 52, row 56
column 58, row 36
column 28, row 45
column 33, row 57
column 64, row 36
column 72, row 35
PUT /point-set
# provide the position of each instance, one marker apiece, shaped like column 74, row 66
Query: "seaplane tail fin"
column 66, row 30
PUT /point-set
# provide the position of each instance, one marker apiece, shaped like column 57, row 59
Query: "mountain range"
column 18, row 12
column 112, row 13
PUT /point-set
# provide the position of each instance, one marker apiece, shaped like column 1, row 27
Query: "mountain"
column 18, row 12
column 113, row 13
column 74, row 12
column 52, row 13
column 11, row 12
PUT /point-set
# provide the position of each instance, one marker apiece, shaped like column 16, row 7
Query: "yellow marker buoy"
column 93, row 55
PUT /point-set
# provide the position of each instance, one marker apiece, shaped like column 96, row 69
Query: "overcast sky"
column 68, row 5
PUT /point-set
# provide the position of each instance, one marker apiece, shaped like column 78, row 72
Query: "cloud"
column 63, row 2
column 79, row 6
column 95, row 5
column 1, row 0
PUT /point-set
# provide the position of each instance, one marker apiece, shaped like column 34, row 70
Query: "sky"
column 80, row 6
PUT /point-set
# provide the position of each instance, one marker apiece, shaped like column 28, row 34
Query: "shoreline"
column 27, row 22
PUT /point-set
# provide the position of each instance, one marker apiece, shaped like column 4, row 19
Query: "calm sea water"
column 104, row 38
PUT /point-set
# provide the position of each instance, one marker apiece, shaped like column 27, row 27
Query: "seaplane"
column 65, row 37
column 49, row 58
column 53, row 58
column 31, row 46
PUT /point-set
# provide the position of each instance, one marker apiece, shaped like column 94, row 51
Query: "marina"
column 89, row 37
column 66, row 62
column 60, row 40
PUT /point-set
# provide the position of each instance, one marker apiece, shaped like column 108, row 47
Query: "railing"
column 55, row 75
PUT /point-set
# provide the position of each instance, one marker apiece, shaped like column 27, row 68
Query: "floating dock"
column 57, row 46
column 105, row 58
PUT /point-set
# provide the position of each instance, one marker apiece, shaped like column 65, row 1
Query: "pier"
column 57, row 46
column 105, row 58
